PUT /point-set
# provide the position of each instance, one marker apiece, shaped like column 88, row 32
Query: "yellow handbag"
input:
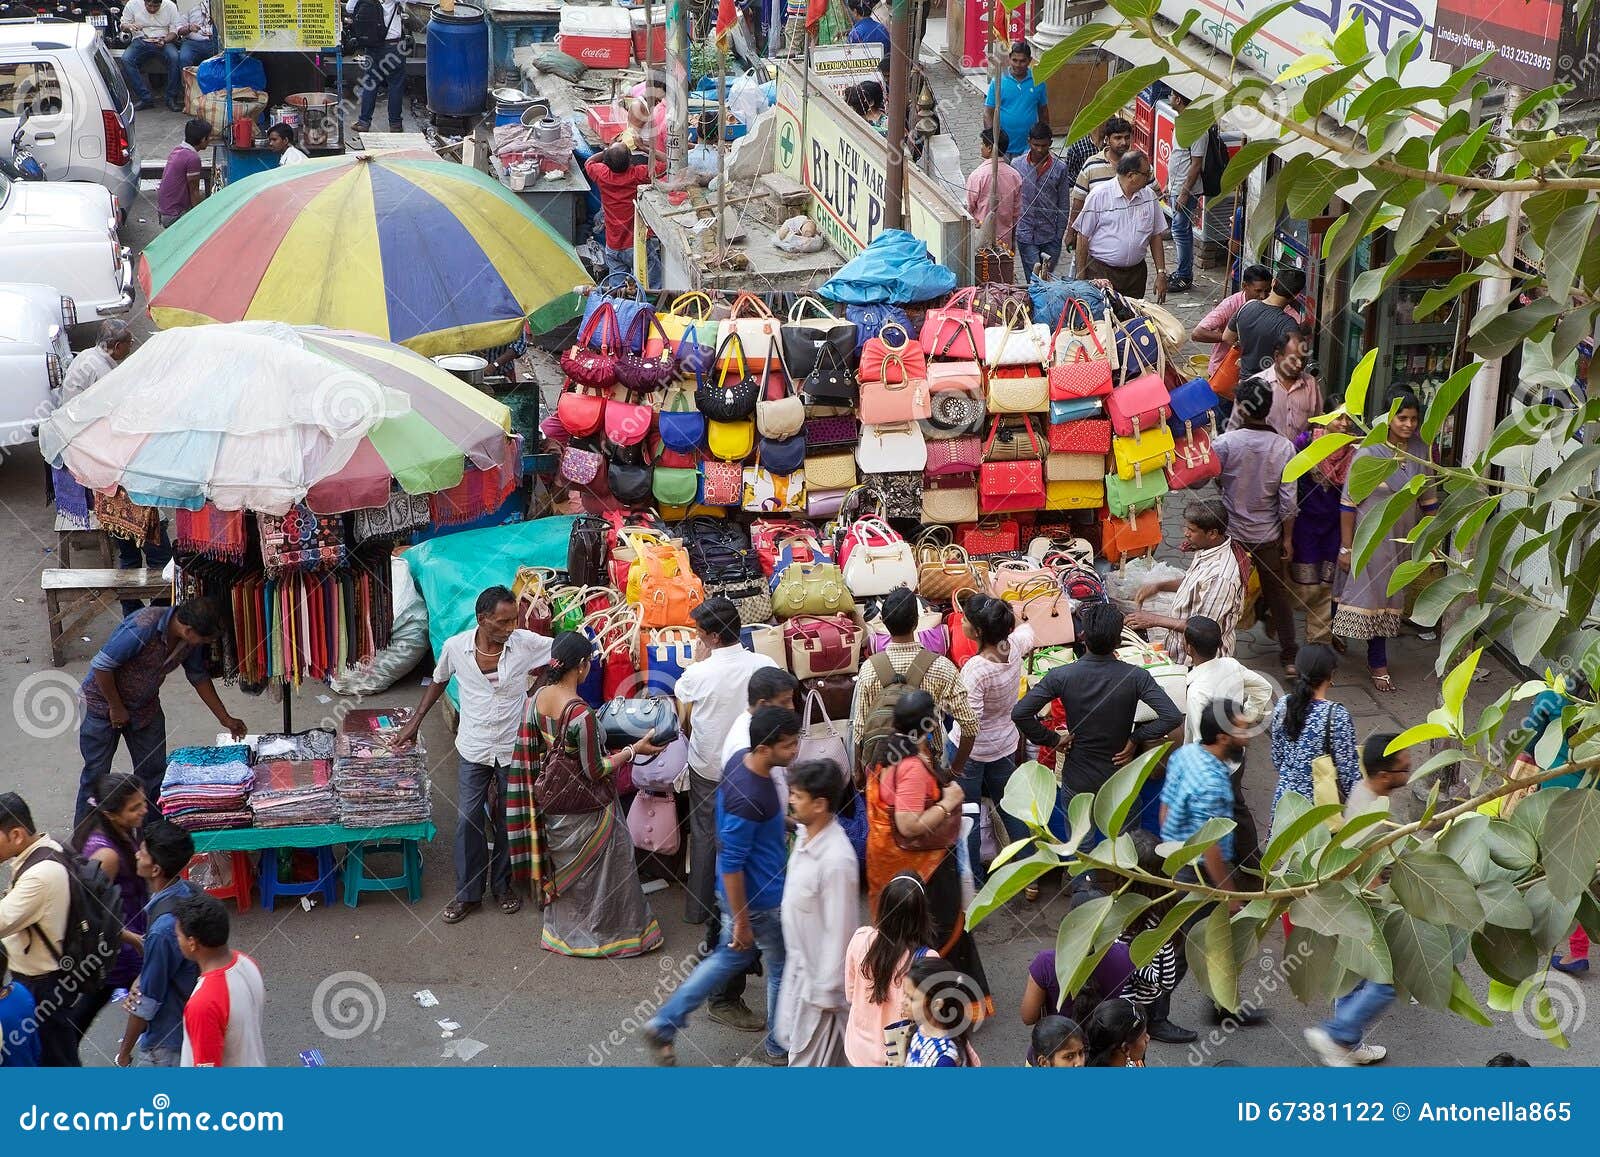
column 689, row 309
column 1075, row 468
column 830, row 471
column 1149, row 453
column 731, row 441
column 1074, row 495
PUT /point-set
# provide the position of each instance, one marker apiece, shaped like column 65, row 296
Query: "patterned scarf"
column 218, row 534
column 301, row 541
column 403, row 514
column 480, row 491
column 121, row 518
column 72, row 500
column 1333, row 469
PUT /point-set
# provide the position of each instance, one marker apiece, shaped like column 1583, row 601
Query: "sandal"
column 1383, row 682
column 458, row 910
column 1031, row 893
column 510, row 903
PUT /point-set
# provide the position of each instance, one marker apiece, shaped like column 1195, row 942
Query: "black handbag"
column 782, row 456
column 832, row 380
column 805, row 337
column 586, row 551
column 955, row 415
column 630, row 482
column 725, row 401
column 900, row 492
column 625, row 721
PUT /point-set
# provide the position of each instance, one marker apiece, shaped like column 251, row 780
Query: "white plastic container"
column 599, row 37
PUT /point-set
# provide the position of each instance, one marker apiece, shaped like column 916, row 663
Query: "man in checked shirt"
column 1213, row 586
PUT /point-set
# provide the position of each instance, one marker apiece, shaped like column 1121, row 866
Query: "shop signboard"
column 279, row 25
column 1524, row 35
column 837, row 66
column 843, row 162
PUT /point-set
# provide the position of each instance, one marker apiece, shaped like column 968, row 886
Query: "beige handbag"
column 768, row 641
column 950, row 505
column 1075, row 468
column 781, row 418
column 944, row 572
column 830, row 472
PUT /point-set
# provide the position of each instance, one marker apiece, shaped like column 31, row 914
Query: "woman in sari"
column 1315, row 563
column 1366, row 608
column 913, row 822
column 567, row 836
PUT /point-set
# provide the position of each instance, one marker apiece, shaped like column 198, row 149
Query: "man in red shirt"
column 222, row 1020
column 618, row 175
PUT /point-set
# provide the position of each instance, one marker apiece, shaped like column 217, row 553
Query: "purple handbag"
column 935, row 639
column 837, row 430
column 695, row 357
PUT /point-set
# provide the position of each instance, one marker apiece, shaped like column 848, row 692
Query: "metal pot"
column 469, row 368
column 547, row 130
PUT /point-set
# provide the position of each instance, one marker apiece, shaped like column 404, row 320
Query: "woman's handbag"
column 1013, row 442
column 811, row 588
column 1125, row 496
column 955, row 329
column 752, row 323
column 675, row 486
column 731, row 441
column 820, row 738
column 562, row 786
column 945, row 572
column 694, row 356
column 765, row 639
column 1081, row 409
column 949, row 505
column 580, row 464
column 1173, row 678
column 992, row 536
column 877, row 559
column 1194, row 463
column 892, row 357
column 1018, row 390
column 681, row 426
column 724, row 483
column 664, row 655
column 653, row 819
column 1075, row 494
column 804, row 337
column 586, row 550
column 781, row 417
column 1076, row 371
column 641, row 372
column 964, row 377
column 1084, row 436
column 1225, row 378
column 661, row 771
column 832, row 430
column 1194, row 407
column 729, row 401
column 1075, row 468
column 830, row 471
column 1324, row 768
column 899, row 492
column 629, row 482
column 668, row 599
column 612, row 291
column 625, row 721
column 1017, row 342
column 871, row 320
column 769, row 493
column 837, row 693
column 1151, row 451
column 1045, row 607
column 955, row 415
column 581, row 413
column 831, row 381
column 627, row 423
column 1007, row 486
column 1142, row 404
column 893, row 447
column 899, row 399
column 687, row 311
column 594, row 367
column 1130, row 538
column 954, row 456
column 822, row 645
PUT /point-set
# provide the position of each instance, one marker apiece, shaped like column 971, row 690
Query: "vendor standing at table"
column 492, row 664
column 122, row 692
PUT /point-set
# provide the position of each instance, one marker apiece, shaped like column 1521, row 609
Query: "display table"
column 322, row 838
column 560, row 203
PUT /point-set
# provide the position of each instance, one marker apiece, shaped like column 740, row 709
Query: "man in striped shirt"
column 1117, row 138
column 1213, row 586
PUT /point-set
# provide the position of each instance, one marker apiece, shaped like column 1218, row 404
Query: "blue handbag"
column 1138, row 350
column 627, row 309
column 870, row 320
column 694, row 356
column 683, row 431
column 666, row 653
column 590, row 690
column 1193, row 404
column 1076, row 408
column 782, row 456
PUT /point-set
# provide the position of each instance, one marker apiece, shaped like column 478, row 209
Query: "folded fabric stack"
column 294, row 780
column 208, row 788
column 379, row 784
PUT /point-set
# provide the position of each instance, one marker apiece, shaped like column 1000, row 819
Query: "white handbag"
column 821, row 737
column 769, row 493
column 1172, row 677
column 872, row 571
column 758, row 332
column 894, row 447
column 1017, row 342
column 768, row 640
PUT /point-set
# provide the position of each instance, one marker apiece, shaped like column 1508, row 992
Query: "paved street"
column 344, row 981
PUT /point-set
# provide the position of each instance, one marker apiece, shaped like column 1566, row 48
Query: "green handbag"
column 1042, row 660
column 675, row 486
column 811, row 588
column 1128, row 496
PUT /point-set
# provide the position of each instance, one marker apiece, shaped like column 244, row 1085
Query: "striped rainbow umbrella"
column 429, row 254
column 261, row 415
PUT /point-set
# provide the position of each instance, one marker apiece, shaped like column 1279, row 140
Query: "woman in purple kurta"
column 1315, row 565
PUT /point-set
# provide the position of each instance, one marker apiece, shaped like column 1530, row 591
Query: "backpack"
column 1215, row 161
column 879, row 726
column 368, row 29
column 94, row 917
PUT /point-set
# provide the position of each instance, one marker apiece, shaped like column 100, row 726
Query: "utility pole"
column 987, row 234
column 677, row 78
column 1484, row 391
column 899, row 98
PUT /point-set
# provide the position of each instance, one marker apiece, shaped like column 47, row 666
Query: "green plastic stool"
column 357, row 881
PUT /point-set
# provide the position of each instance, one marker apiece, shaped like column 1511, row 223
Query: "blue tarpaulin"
column 895, row 268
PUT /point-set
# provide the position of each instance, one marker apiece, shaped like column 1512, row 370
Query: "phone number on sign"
column 1362, row 1112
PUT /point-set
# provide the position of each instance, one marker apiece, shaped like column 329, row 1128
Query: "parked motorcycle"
column 22, row 166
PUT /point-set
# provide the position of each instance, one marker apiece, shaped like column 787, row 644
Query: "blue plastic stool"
column 357, row 881
column 271, row 887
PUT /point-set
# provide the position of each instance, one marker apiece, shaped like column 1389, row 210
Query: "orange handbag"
column 1226, row 380
column 1130, row 538
column 667, row 600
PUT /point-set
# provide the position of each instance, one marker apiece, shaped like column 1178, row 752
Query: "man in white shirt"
column 769, row 687
column 33, row 924
column 154, row 26
column 1120, row 220
column 280, row 139
column 711, row 695
column 492, row 664
column 199, row 36
column 1184, row 170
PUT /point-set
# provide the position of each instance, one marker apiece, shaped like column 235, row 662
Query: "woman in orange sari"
column 913, row 822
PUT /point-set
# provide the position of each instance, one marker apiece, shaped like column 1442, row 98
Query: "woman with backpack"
column 913, row 823
column 109, row 835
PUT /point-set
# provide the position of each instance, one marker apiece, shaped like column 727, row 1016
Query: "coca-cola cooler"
column 599, row 37
column 972, row 24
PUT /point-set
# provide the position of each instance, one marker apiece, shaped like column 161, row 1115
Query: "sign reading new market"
column 1525, row 35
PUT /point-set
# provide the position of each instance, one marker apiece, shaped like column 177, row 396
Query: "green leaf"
column 1350, row 44
column 1373, row 529
column 1209, row 949
column 1286, row 836
column 1463, row 841
column 1439, row 761
column 1318, row 974
column 1564, row 247
column 1484, row 241
column 1431, row 603
column 1552, row 918
column 1468, row 530
column 1408, row 571
column 1345, row 837
column 1502, row 997
column 1464, row 157
column 1367, row 953
column 1244, row 162
column 1542, row 1010
column 1196, row 120
column 1432, row 887
column 1143, row 948
column 1531, row 812
column 1007, row 883
column 1571, row 840
column 1543, row 153
column 1457, row 682
column 1198, row 844
column 1577, row 470
column 1256, row 23
column 1419, row 733
column 1117, row 795
column 1441, row 296
column 1115, row 93
column 1176, row 39
column 1355, row 394
column 1531, row 630
column 1503, row 905
column 1010, row 852
column 1399, row 54
column 1333, row 910
column 1316, row 450
column 1422, row 957
column 1311, row 190
column 1504, row 333
column 1464, row 1004
column 1367, row 474
column 1324, row 90
column 1059, row 53
column 1031, row 794
column 1506, row 954
column 1304, row 64
column 1080, row 819
column 1076, row 938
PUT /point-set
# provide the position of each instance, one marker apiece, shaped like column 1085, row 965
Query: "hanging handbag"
column 1084, row 436
column 668, row 600
column 580, row 464
column 820, row 738
column 830, row 471
column 731, row 441
column 944, row 573
column 892, row 447
column 954, row 456
column 955, row 415
column 1324, row 768
column 1017, row 342
column 1138, row 350
column 949, row 505
column 751, row 599
column 687, row 312
column 1194, row 463
column 694, row 356
column 1130, row 538
column 1012, row 441
column 892, row 357
column 834, row 430
column 1152, row 451
column 1077, row 411
column 900, row 398
column 1075, row 468
column 804, row 337
column 1141, row 404
column 781, row 417
column 1125, row 497
column 626, row 423
column 955, row 329
column 586, row 550
column 1075, row 494
column 640, row 372
column 581, row 413
column 757, row 330
column 681, row 426
column 723, row 483
column 661, row 771
column 612, row 293
column 674, row 486
column 811, row 588
column 822, row 503
column 785, row 456
column 831, row 380
column 992, row 536
column 768, row 493
column 822, row 645
column 870, row 320
column 964, row 377
column 595, row 367
column 1007, row 486
column 725, row 400
column 630, row 483
column 899, row 492
column 876, row 560
column 1018, row 390
column 653, row 820
column 1225, row 378
column 1076, row 370
column 765, row 639
column 1194, row 407
column 837, row 693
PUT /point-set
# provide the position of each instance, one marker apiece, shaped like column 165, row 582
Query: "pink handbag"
column 955, row 329
column 1142, row 404
column 967, row 377
column 724, row 483
column 954, row 456
column 902, row 398
column 626, row 423
column 653, row 822
column 891, row 356
column 1046, row 608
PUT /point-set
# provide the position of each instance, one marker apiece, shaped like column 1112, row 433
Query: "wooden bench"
column 74, row 597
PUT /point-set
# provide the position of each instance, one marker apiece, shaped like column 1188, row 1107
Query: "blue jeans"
column 1354, row 1014
column 155, row 555
column 1029, row 256
column 716, row 970
column 987, row 778
column 387, row 70
column 1183, row 238
column 621, row 261
column 192, row 52
column 97, row 743
column 133, row 58
column 472, row 858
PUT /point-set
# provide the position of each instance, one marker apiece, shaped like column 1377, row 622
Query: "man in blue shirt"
column 752, row 856
column 1021, row 101
column 19, row 1028
column 156, row 1001
column 1046, row 201
column 122, row 692
column 866, row 30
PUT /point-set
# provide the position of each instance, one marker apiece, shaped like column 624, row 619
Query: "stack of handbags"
column 1011, row 484
column 1193, row 424
column 1017, row 352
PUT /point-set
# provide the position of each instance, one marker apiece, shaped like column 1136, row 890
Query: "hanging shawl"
column 479, row 492
column 403, row 514
column 120, row 518
column 1332, row 470
column 218, row 534
column 301, row 540
column 72, row 500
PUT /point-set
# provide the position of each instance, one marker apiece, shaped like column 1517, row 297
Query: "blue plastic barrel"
column 458, row 61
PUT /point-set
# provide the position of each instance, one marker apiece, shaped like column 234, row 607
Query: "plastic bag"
column 248, row 72
column 895, row 268
column 746, row 99
column 1124, row 583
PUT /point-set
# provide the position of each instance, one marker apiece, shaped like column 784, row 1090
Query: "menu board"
column 280, row 25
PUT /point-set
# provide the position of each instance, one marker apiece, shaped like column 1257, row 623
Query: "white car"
column 33, row 356
column 65, row 235
column 80, row 113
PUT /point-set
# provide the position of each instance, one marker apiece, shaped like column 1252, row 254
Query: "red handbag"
column 892, row 352
column 591, row 367
column 955, row 329
column 1142, row 404
column 961, row 647
column 627, row 424
column 581, row 413
column 1193, row 462
column 1081, row 374
column 954, row 456
column 723, row 483
column 822, row 645
column 992, row 536
column 1085, row 436
column 1006, row 486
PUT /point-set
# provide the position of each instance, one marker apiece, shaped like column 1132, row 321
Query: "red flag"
column 727, row 17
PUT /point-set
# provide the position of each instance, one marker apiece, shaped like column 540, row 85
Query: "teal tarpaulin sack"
column 895, row 268
column 453, row 570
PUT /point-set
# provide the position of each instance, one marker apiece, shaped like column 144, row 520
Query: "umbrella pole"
column 288, row 711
